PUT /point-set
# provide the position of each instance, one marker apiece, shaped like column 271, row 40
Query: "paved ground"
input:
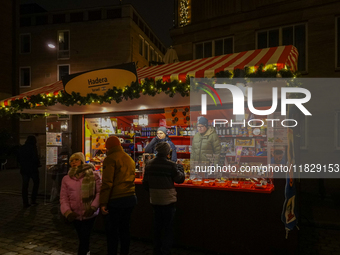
column 38, row 230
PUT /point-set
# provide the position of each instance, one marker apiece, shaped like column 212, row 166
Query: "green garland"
column 148, row 87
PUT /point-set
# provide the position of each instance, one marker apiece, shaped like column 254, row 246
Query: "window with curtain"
column 63, row 44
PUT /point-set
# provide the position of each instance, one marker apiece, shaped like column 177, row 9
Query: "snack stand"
column 227, row 215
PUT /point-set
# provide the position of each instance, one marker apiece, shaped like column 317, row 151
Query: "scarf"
column 88, row 185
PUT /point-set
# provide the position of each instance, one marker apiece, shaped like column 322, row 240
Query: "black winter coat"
column 150, row 148
column 28, row 158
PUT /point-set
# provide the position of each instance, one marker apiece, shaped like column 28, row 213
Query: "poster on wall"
column 177, row 116
column 51, row 156
column 53, row 139
column 101, row 125
column 98, row 142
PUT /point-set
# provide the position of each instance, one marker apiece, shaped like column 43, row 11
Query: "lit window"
column 63, row 44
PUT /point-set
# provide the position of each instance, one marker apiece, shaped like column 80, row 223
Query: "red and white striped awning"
column 51, row 89
column 281, row 57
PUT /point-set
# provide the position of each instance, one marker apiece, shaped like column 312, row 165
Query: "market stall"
column 230, row 213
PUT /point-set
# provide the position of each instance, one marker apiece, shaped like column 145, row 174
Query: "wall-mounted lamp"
column 64, row 126
column 50, row 45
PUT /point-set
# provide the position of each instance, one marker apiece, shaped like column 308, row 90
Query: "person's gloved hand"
column 89, row 212
column 72, row 216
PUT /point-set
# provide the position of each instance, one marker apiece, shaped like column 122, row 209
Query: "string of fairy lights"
column 184, row 12
column 148, row 87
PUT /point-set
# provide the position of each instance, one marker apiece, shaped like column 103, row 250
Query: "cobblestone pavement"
column 319, row 241
column 38, row 230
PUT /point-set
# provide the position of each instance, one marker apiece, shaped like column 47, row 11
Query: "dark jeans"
column 25, row 182
column 163, row 221
column 84, row 229
column 118, row 229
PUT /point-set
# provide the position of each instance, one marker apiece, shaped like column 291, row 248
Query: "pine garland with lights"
column 147, row 87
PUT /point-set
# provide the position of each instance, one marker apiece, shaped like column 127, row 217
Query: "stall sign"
column 101, row 80
column 179, row 116
column 98, row 142
column 53, row 138
column 51, row 156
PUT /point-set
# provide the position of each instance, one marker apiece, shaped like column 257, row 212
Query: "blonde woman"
column 79, row 199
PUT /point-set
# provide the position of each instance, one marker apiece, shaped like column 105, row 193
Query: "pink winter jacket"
column 70, row 196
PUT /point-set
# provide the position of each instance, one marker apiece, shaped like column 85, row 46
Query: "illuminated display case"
column 240, row 148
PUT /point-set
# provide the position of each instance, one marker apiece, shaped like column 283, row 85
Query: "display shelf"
column 264, row 157
column 245, row 136
column 171, row 136
column 269, row 189
column 185, row 152
column 120, row 135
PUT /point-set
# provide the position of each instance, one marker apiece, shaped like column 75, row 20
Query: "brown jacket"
column 118, row 175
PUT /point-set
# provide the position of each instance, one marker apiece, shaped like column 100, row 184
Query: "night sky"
column 158, row 14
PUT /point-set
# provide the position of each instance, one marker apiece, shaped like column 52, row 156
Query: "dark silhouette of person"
column 29, row 163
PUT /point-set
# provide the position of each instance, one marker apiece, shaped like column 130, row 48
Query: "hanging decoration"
column 135, row 90
column 184, row 12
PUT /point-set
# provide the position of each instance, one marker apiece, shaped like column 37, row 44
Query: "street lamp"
column 50, row 45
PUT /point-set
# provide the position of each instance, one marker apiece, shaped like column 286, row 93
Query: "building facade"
column 54, row 44
column 210, row 28
column 8, row 77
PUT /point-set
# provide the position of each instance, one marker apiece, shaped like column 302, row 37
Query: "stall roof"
column 280, row 56
column 207, row 67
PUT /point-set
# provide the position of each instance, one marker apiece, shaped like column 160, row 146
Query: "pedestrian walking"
column 159, row 178
column 79, row 199
column 29, row 169
column 162, row 137
column 117, row 196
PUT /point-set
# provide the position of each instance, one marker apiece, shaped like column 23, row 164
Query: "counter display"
column 240, row 148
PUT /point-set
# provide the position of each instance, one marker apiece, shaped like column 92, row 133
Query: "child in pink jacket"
column 79, row 199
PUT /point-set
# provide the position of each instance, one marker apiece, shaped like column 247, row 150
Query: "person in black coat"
column 29, row 164
column 159, row 178
column 162, row 137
